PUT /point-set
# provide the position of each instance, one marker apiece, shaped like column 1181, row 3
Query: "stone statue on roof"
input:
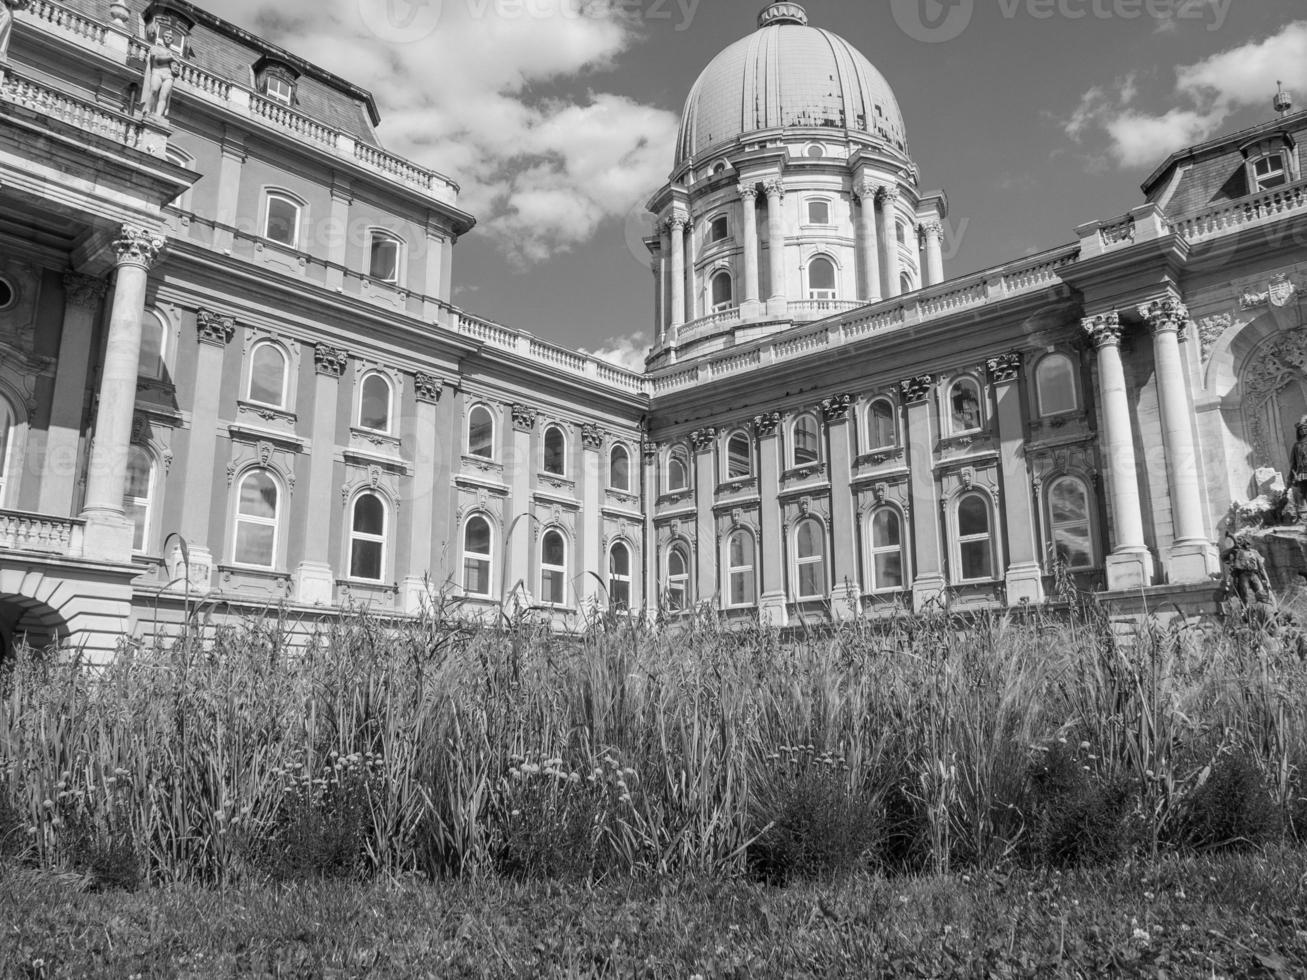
column 161, row 71
column 7, row 10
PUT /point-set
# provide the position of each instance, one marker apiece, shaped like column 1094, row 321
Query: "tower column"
column 315, row 580
column 1193, row 557
column 871, row 287
column 750, row 306
column 778, row 305
column 676, row 228
column 888, row 198
column 846, row 598
column 930, row 584
column 773, row 606
column 1130, row 566
column 108, row 532
column 664, row 283
column 933, row 234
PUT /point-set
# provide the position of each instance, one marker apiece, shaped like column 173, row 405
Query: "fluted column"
column 664, row 282
column 888, row 198
column 108, row 532
column 846, row 598
column 871, row 286
column 1193, row 557
column 693, row 295
column 424, row 436
column 676, row 229
column 930, row 584
column 704, row 442
column 778, row 303
column 933, row 234
column 773, row 607
column 315, row 580
column 751, row 304
column 83, row 298
column 1130, row 566
column 1025, row 574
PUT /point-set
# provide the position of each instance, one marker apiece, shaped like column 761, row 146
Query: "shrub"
column 326, row 821
column 1079, row 819
column 809, row 822
column 1231, row 807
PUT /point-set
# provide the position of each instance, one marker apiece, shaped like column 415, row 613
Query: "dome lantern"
column 783, row 13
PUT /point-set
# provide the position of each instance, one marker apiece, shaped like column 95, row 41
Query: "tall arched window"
column 807, row 440
column 375, row 398
column 555, row 451
column 1055, row 383
column 975, row 538
column 269, row 375
column 137, row 496
column 1070, row 523
column 882, row 432
column 906, row 285
column 901, row 232
column 367, row 541
column 964, row 406
column 741, row 583
column 384, row 252
column 821, row 278
column 678, row 578
column 258, row 512
column 619, row 468
column 282, row 220
column 481, row 433
column 553, row 569
column 739, row 456
column 678, row 471
column 810, row 559
column 477, row 562
column 723, row 292
column 619, row 576
column 7, row 426
column 886, row 550
column 154, row 341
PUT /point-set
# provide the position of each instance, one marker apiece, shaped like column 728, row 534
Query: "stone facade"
column 232, row 377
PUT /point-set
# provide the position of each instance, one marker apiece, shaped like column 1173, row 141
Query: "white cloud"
column 1208, row 92
column 457, row 82
column 627, row 352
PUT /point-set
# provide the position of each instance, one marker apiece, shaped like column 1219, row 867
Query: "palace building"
column 232, row 379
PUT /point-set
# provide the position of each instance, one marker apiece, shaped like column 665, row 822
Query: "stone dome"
column 788, row 75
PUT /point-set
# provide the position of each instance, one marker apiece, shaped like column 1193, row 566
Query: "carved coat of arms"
column 1281, row 291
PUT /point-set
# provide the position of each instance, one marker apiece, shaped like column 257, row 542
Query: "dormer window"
column 1270, row 171
column 160, row 19
column 277, row 82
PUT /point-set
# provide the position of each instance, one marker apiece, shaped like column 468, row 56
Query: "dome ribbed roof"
column 787, row 74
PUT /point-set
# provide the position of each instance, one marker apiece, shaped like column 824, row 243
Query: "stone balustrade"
column 87, row 116
column 39, row 534
column 1257, row 209
column 534, row 349
column 111, row 42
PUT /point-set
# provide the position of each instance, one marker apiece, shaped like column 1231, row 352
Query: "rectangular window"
column 976, row 563
column 1270, row 172
column 279, row 90
column 719, row 229
column 384, row 265
column 476, row 575
column 818, row 212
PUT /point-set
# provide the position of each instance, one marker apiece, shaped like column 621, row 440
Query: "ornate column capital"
column 866, row 191
column 214, row 328
column 748, row 192
column 138, row 246
column 887, row 195
column 766, row 425
column 649, row 448
column 1005, row 368
column 917, row 390
column 427, row 387
column 1103, row 330
column 1166, row 315
column 329, row 361
column 593, row 436
column 703, row 439
column 676, row 221
column 932, row 229
column 85, row 292
column 774, row 189
column 836, row 408
column 524, row 417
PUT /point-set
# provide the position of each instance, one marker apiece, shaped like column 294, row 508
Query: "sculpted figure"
column 7, row 10
column 161, row 71
column 1247, row 570
column 1298, row 472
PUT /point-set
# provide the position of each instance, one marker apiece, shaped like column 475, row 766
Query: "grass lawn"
column 1234, row 916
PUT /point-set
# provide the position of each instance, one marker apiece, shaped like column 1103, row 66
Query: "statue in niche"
column 1298, row 473
column 7, row 10
column 161, row 71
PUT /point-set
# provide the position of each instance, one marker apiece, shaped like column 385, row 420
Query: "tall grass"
column 440, row 748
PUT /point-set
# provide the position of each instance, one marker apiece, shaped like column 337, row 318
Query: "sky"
column 558, row 118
